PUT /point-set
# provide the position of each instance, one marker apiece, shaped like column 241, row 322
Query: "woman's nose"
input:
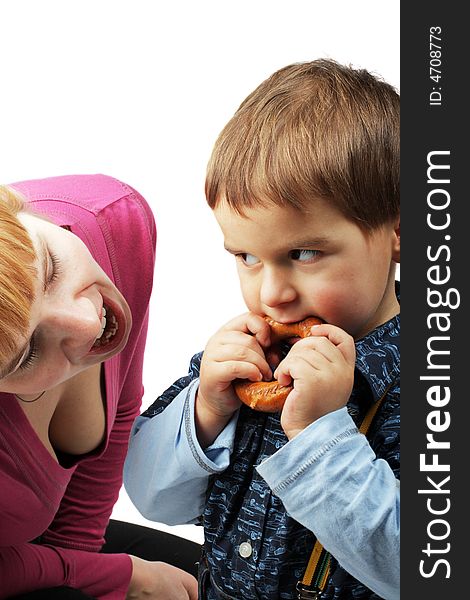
column 76, row 323
column 276, row 288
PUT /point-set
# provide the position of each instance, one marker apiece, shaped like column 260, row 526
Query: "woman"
column 73, row 323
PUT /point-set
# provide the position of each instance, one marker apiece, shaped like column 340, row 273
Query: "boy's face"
column 294, row 264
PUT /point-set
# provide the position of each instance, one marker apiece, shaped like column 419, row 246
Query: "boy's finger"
column 237, row 352
column 254, row 325
column 258, row 327
column 337, row 336
column 228, row 371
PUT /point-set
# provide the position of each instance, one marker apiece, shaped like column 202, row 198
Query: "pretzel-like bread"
column 269, row 396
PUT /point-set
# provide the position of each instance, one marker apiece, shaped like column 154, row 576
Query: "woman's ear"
column 396, row 241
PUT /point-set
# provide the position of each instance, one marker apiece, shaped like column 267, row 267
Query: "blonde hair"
column 17, row 274
column 314, row 129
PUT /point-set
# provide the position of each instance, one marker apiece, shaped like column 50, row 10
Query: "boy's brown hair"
column 314, row 129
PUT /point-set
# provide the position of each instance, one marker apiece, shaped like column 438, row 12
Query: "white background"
column 139, row 89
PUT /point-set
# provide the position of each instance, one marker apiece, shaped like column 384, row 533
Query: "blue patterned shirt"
column 261, row 497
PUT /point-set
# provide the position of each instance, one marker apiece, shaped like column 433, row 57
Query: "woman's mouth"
column 113, row 330
column 109, row 327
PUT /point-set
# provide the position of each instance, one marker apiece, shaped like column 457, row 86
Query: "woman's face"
column 78, row 318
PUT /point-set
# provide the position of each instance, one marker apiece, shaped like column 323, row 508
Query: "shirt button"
column 245, row 550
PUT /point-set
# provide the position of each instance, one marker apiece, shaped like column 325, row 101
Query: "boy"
column 303, row 182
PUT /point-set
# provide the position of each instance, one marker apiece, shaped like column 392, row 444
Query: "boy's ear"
column 396, row 241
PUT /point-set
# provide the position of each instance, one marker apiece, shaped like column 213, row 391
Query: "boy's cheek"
column 333, row 305
column 250, row 297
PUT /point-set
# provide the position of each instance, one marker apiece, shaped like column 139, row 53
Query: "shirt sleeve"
column 166, row 473
column 29, row 567
column 330, row 481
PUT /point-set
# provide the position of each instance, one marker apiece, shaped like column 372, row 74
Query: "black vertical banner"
column 435, row 342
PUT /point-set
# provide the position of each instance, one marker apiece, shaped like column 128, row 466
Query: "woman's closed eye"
column 54, row 270
column 304, row 255
column 31, row 356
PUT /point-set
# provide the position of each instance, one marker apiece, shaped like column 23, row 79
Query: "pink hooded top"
column 70, row 507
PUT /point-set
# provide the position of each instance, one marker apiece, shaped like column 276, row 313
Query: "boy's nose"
column 276, row 289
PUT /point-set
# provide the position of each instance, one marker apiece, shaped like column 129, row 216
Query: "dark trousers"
column 140, row 541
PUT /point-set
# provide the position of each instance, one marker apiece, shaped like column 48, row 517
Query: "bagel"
column 269, row 396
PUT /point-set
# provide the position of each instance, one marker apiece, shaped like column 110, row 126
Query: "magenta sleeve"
column 31, row 567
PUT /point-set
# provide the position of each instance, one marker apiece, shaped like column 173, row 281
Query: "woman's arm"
column 29, row 567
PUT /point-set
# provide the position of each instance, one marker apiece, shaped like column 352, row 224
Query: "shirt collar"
column 378, row 355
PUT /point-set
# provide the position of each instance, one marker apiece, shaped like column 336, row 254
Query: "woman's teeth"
column 109, row 326
column 103, row 322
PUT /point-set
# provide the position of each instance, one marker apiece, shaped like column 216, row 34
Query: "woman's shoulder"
column 87, row 203
column 92, row 192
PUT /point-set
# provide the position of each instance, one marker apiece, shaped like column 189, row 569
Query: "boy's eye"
column 303, row 255
column 248, row 259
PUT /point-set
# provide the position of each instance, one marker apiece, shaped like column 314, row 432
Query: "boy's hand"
column 236, row 351
column 321, row 368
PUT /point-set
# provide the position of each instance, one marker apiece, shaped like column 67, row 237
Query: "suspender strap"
column 317, row 572
column 367, row 421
